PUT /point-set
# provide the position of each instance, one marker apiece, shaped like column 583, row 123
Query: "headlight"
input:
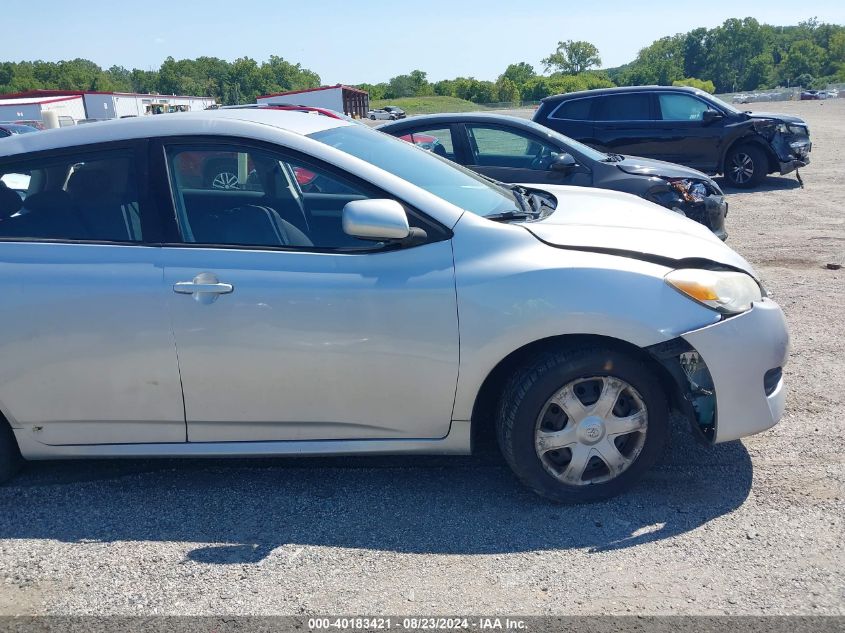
column 690, row 190
column 725, row 291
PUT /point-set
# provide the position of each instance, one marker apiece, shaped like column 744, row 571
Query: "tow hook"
column 800, row 181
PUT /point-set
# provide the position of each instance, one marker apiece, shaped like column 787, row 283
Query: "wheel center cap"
column 591, row 430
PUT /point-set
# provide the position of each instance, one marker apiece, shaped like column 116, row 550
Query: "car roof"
column 217, row 122
column 621, row 89
column 458, row 117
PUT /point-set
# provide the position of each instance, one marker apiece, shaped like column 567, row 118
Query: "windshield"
column 725, row 106
column 424, row 169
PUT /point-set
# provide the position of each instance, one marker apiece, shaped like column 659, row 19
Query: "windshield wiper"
column 513, row 214
column 614, row 158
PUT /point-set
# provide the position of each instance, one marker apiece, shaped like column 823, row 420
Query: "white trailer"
column 67, row 108
column 351, row 101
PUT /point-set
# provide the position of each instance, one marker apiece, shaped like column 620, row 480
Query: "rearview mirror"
column 563, row 162
column 377, row 220
column 709, row 116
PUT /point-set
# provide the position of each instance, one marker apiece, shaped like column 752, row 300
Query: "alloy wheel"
column 742, row 168
column 591, row 430
column 226, row 181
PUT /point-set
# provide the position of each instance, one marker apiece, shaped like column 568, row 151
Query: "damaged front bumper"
column 711, row 212
column 798, row 156
column 729, row 374
column 790, row 143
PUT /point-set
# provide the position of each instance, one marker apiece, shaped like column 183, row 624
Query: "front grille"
column 772, row 379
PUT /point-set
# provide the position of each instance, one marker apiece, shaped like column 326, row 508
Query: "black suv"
column 681, row 125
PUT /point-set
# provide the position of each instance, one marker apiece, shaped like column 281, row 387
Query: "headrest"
column 10, row 201
column 89, row 184
column 48, row 201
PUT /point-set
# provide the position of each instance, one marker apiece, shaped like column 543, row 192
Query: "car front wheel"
column 746, row 166
column 582, row 424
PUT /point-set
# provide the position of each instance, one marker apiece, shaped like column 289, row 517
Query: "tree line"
column 739, row 55
column 743, row 55
column 234, row 82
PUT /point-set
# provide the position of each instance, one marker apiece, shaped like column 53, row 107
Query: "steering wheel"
column 543, row 159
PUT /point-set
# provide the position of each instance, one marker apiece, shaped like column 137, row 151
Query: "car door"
column 86, row 350
column 289, row 329
column 624, row 123
column 681, row 134
column 515, row 156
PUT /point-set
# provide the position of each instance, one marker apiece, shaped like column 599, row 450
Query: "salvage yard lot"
column 751, row 527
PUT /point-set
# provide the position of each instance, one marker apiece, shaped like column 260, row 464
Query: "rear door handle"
column 205, row 288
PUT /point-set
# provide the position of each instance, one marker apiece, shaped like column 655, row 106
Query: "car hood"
column 772, row 116
column 622, row 224
column 649, row 167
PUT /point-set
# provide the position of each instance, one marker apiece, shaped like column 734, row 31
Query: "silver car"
column 353, row 294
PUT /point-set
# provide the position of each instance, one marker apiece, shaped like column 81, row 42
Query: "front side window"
column 491, row 146
column 623, row 107
column 444, row 179
column 241, row 196
column 678, row 107
column 84, row 197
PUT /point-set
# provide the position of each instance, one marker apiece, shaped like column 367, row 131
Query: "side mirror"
column 377, row 220
column 709, row 116
column 563, row 162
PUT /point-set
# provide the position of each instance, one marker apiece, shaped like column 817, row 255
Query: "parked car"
column 515, row 150
column 387, row 112
column 423, row 310
column 682, row 125
column 37, row 124
column 813, row 95
column 9, row 129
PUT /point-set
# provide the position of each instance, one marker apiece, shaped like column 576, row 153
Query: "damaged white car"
column 403, row 305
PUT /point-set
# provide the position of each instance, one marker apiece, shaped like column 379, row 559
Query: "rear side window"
column 623, row 107
column 84, row 197
column 575, row 110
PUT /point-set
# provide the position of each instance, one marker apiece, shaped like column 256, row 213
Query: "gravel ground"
column 751, row 527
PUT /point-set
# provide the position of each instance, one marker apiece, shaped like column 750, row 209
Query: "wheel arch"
column 751, row 139
column 483, row 420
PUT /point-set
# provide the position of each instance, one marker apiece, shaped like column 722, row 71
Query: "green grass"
column 428, row 105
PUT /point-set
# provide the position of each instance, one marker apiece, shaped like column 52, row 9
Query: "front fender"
column 513, row 290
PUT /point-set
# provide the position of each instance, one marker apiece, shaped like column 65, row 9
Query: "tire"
column 10, row 456
column 372, row 117
column 746, row 166
column 527, row 420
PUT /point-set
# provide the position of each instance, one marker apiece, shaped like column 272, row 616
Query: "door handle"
column 205, row 288
column 189, row 288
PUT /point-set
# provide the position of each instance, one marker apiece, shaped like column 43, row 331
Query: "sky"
column 355, row 42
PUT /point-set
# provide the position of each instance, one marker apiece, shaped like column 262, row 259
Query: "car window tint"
column 491, row 142
column 222, row 171
column 263, row 199
column 86, row 197
column 575, row 110
column 623, row 107
column 436, row 140
column 678, row 107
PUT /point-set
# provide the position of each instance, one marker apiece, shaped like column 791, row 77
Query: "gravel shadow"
column 769, row 183
column 238, row 511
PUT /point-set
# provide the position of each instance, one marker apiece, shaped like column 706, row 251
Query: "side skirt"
column 457, row 442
